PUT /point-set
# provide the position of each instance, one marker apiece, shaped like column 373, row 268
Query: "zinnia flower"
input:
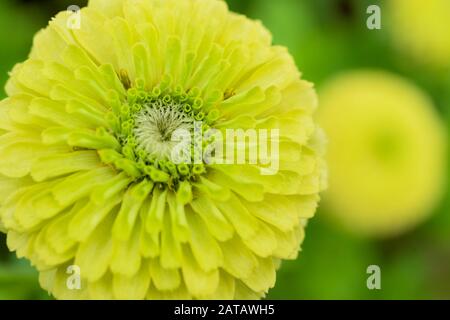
column 85, row 174
column 386, row 152
column 420, row 29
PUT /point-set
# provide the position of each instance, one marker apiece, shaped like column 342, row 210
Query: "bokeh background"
column 326, row 37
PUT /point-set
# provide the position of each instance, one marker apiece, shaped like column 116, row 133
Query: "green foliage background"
column 325, row 37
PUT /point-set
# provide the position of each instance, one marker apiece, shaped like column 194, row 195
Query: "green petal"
column 79, row 185
column 219, row 227
column 134, row 287
column 162, row 278
column 171, row 254
column 60, row 164
column 131, row 204
column 95, row 253
column 264, row 276
column 126, row 258
column 198, row 282
column 239, row 261
column 89, row 216
column 205, row 248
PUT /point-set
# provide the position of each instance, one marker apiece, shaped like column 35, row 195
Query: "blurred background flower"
column 386, row 152
column 329, row 38
column 421, row 30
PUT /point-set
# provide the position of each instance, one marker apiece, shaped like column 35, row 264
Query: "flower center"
column 150, row 124
column 155, row 126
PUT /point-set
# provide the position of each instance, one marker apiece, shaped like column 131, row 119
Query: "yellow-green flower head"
column 386, row 152
column 87, row 183
column 421, row 29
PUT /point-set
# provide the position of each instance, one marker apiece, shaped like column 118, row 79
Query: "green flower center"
column 146, row 125
column 387, row 147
